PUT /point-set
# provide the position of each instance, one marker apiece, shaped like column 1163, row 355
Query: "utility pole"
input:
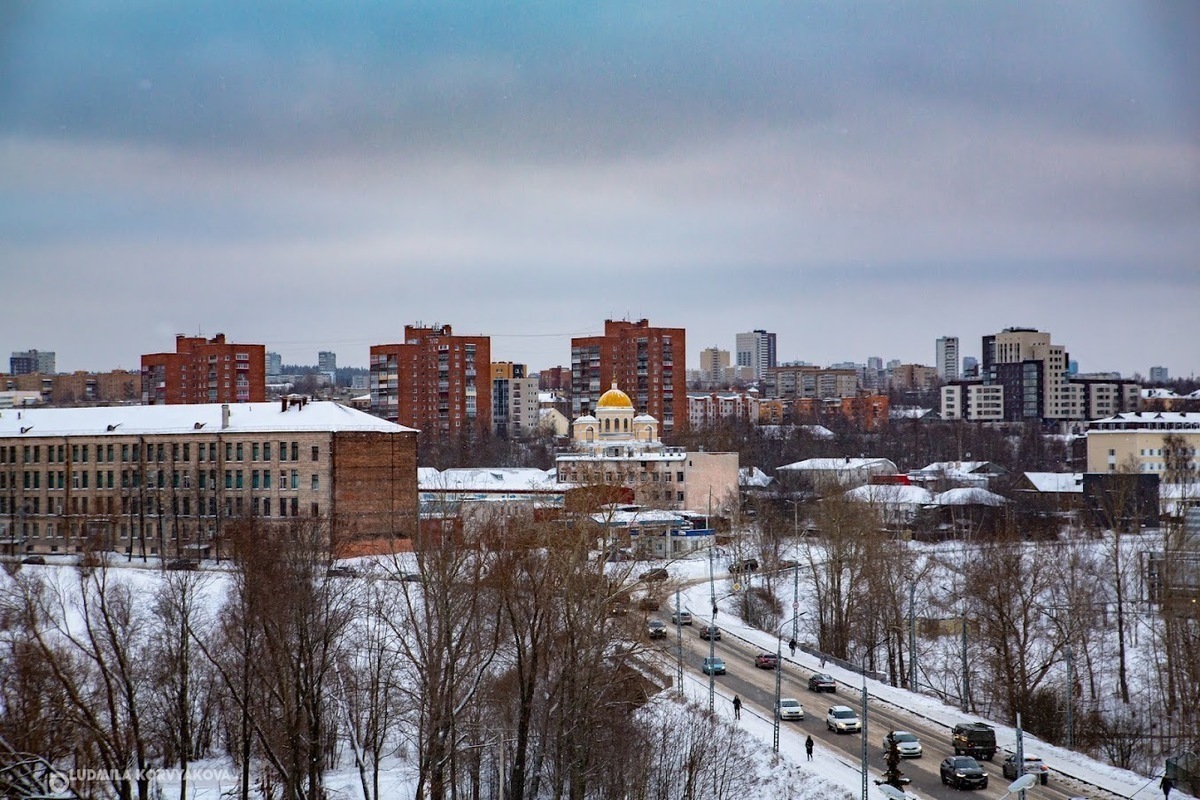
column 1070, row 700
column 778, row 682
column 966, row 676
column 863, row 719
column 795, row 601
column 712, row 595
column 912, row 637
column 1020, row 754
column 678, row 645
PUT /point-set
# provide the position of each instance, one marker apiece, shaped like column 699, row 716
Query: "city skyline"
column 858, row 179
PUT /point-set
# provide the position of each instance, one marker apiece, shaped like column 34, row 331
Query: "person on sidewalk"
column 1167, row 785
column 737, row 707
column 808, row 747
column 792, row 647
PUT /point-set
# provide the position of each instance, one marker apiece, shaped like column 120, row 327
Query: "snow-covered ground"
column 829, row 775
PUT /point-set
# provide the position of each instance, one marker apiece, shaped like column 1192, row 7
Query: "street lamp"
column 779, row 672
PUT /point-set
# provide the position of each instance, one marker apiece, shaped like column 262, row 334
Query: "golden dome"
column 614, row 398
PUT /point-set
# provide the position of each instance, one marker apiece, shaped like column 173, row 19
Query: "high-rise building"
column 435, row 381
column 970, row 367
column 714, row 365
column 514, row 399
column 946, row 358
column 28, row 362
column 756, row 349
column 327, row 361
column 1158, row 375
column 650, row 363
column 274, row 367
column 205, row 371
column 1025, row 378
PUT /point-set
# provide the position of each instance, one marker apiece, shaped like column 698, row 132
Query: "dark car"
column 974, row 739
column 710, row 632
column 341, row 572
column 766, row 661
column 649, row 603
column 659, row 574
column 821, row 682
column 745, row 565
column 713, row 666
column 656, row 629
column 181, row 564
column 963, row 772
column 33, row 560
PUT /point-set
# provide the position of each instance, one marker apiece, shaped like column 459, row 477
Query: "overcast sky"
column 859, row 178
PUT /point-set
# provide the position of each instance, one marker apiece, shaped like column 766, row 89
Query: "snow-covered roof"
column 840, row 465
column 318, row 415
column 753, row 476
column 969, row 496
column 1158, row 393
column 965, row 467
column 1056, row 482
column 1150, row 420
column 818, row 431
column 891, row 494
column 643, row 516
column 910, row 413
column 487, row 479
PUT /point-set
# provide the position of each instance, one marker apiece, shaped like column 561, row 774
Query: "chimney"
column 283, row 403
column 224, row 416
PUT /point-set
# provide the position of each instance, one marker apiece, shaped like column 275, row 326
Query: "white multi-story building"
column 756, row 349
column 947, row 358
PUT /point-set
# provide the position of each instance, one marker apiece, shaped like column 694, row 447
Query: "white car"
column 842, row 719
column 908, row 745
column 790, row 708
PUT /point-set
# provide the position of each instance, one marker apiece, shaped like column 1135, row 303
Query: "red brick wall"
column 374, row 486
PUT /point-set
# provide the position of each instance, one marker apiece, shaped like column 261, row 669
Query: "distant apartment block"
column 792, row 382
column 914, row 377
column 435, row 381
column 1027, row 380
column 1138, row 442
column 555, row 379
column 78, row 388
column 274, row 367
column 756, row 349
column 1159, row 375
column 650, row 362
column 946, row 355
column 28, row 362
column 205, row 371
column 868, row 412
column 714, row 366
column 515, row 407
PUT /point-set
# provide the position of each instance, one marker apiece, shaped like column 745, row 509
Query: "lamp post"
column 779, row 673
column 712, row 648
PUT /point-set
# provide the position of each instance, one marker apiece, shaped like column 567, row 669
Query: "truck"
column 976, row 739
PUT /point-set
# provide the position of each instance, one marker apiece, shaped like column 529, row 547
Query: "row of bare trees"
column 480, row 670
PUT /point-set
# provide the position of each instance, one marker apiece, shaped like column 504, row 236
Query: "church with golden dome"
column 617, row 446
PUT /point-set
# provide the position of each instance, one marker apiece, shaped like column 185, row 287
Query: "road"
column 756, row 687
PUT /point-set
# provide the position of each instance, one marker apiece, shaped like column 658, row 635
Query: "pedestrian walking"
column 714, row 612
column 808, row 746
column 792, row 647
column 737, row 707
column 1167, row 785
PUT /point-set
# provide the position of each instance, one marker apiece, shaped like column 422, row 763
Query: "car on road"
column 337, row 571
column 710, row 632
column 822, row 682
column 656, row 629
column 766, row 661
column 973, row 739
column 659, row 574
column 681, row 617
column 789, row 708
column 1033, row 766
column 963, row 772
column 745, row 565
column 908, row 745
column 182, row 564
column 33, row 560
column 713, row 666
column 649, row 603
column 842, row 719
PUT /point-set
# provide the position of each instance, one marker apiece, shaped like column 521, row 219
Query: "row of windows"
column 176, row 479
column 234, row 506
column 163, row 451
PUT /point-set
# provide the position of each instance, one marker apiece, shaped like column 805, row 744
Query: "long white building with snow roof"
column 175, row 480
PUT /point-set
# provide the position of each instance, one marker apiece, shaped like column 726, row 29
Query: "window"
column 314, row 482
column 228, row 479
column 315, row 511
column 238, row 481
column 254, row 482
column 283, row 451
column 316, row 453
column 254, row 452
column 266, row 480
column 266, row 451
column 295, row 479
column 229, row 451
column 295, row 506
column 295, row 451
column 239, row 451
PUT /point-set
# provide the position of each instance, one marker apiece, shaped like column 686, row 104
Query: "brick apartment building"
column 205, row 371
column 78, row 388
column 435, row 381
column 650, row 362
column 171, row 480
